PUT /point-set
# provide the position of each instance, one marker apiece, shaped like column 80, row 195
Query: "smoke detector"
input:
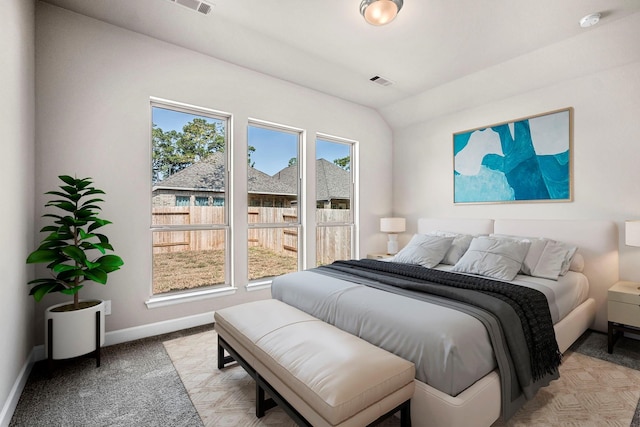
column 590, row 20
column 197, row 5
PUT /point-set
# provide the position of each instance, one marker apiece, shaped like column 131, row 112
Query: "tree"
column 293, row 161
column 174, row 151
column 250, row 150
column 344, row 163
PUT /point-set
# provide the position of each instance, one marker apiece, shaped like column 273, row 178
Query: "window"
column 273, row 193
column 189, row 216
column 334, row 200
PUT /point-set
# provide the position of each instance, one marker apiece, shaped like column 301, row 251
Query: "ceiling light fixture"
column 590, row 20
column 380, row 12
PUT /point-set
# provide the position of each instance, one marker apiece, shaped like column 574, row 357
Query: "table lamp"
column 392, row 226
column 632, row 233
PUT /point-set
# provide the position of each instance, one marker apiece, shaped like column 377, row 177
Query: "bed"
column 438, row 400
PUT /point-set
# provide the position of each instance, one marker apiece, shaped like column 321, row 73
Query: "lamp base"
column 392, row 244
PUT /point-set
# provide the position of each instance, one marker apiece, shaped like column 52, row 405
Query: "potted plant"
column 74, row 253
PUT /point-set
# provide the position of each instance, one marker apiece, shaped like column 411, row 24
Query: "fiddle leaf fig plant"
column 73, row 249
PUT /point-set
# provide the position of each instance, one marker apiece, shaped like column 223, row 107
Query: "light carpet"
column 590, row 392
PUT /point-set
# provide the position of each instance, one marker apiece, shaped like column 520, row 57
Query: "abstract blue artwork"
column 523, row 160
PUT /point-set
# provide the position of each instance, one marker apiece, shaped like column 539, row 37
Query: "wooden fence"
column 331, row 242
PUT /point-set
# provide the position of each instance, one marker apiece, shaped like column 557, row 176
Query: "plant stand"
column 95, row 353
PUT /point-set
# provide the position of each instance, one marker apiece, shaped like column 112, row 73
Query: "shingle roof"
column 332, row 182
column 208, row 175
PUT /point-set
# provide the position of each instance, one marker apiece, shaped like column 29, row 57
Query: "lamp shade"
column 392, row 225
column 632, row 233
column 380, row 12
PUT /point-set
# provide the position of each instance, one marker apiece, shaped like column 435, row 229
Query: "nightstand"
column 378, row 256
column 623, row 311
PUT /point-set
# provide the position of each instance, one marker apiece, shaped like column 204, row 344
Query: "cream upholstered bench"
column 319, row 374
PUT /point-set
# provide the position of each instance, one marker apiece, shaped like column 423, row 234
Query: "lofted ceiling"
column 326, row 45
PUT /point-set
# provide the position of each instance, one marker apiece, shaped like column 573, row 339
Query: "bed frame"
column 597, row 241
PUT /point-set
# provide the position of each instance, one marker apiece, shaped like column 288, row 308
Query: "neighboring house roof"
column 208, row 175
column 332, row 182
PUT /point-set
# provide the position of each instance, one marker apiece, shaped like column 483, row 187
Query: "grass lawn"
column 193, row 269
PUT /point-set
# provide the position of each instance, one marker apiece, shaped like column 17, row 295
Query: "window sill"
column 172, row 299
column 259, row 285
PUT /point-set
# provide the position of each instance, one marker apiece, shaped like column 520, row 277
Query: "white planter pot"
column 73, row 332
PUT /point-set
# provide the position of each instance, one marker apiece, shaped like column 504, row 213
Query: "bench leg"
column 222, row 359
column 405, row 414
column 262, row 404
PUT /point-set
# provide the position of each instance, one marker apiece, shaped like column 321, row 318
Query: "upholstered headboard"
column 597, row 241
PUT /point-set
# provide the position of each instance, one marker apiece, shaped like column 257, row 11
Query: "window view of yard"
column 195, row 269
column 190, row 204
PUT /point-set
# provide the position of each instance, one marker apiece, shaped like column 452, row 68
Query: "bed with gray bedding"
column 384, row 303
column 458, row 383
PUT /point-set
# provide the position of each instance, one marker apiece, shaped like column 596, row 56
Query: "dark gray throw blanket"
column 525, row 324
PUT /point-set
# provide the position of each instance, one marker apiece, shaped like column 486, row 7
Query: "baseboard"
column 144, row 331
column 14, row 395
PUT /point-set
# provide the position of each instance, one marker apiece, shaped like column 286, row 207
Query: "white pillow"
column 577, row 263
column 546, row 258
column 458, row 247
column 568, row 257
column 493, row 257
column 424, row 250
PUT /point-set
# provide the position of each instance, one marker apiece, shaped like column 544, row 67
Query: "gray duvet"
column 462, row 352
column 450, row 348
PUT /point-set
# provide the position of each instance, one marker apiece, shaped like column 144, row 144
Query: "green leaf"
column 98, row 247
column 85, row 236
column 59, row 268
column 40, row 291
column 94, row 191
column 65, row 206
column 97, row 275
column 91, row 201
column 110, row 263
column 71, row 291
column 73, row 197
column 67, row 179
column 43, row 255
column 75, row 253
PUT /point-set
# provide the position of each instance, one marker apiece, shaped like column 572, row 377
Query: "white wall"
column 16, row 174
column 93, row 84
column 598, row 74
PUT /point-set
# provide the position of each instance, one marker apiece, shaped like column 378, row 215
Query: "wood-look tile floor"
column 590, row 392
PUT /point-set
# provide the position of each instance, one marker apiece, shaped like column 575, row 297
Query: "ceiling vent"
column 197, row 5
column 381, row 81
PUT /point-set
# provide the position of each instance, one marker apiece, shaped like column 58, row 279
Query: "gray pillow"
column 493, row 257
column 424, row 250
column 546, row 258
column 458, row 247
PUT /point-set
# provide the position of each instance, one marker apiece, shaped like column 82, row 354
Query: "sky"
column 274, row 148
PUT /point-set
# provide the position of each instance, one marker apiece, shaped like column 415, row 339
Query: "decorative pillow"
column 458, row 247
column 493, row 257
column 546, row 258
column 577, row 263
column 424, row 250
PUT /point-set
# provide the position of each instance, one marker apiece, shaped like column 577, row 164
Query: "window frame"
column 354, row 199
column 226, row 288
column 300, row 199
